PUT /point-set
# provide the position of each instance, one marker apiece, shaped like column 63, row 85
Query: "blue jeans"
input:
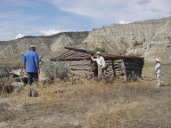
column 32, row 77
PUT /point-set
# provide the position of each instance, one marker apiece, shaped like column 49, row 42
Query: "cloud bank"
column 115, row 10
column 123, row 22
column 19, row 36
column 49, row 32
column 36, row 17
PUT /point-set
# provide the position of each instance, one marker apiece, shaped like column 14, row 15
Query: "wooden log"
column 80, row 54
column 82, row 73
column 81, row 50
column 71, row 55
column 116, row 66
column 109, row 67
column 68, row 59
column 66, row 54
column 63, row 54
column 86, row 62
column 21, row 79
column 78, row 64
column 79, row 68
column 118, row 71
column 109, row 72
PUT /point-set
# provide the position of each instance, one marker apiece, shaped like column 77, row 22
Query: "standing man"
column 31, row 64
column 101, row 64
column 157, row 71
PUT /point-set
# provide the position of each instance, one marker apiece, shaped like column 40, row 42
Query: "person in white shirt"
column 157, row 71
column 101, row 64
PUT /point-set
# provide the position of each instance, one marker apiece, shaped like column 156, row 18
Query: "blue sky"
column 46, row 17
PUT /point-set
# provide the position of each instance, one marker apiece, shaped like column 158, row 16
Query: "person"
column 122, row 67
column 157, row 71
column 101, row 64
column 30, row 61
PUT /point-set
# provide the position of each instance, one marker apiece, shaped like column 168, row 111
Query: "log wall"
column 81, row 68
column 132, row 69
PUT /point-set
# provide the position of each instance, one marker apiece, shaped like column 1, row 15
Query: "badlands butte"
column 150, row 38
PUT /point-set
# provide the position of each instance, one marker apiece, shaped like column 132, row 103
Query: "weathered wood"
column 79, row 64
column 80, row 54
column 82, row 73
column 21, row 79
column 132, row 64
column 79, row 68
column 70, row 54
column 16, row 72
column 81, row 50
column 67, row 54
column 69, row 59
column 63, row 53
column 86, row 62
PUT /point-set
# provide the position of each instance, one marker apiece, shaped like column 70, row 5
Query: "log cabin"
column 127, row 67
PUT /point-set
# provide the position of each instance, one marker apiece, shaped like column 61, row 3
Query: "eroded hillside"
column 151, row 39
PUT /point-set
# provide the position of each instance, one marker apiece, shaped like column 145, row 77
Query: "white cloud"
column 19, row 36
column 123, row 22
column 49, row 32
column 114, row 10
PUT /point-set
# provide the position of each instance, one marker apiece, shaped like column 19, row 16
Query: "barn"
column 128, row 67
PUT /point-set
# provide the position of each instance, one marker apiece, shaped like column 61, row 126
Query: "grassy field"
column 148, row 71
column 82, row 103
column 11, row 64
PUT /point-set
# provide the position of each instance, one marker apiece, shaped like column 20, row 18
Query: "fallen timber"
column 128, row 67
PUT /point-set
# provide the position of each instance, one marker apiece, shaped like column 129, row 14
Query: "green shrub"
column 4, row 71
column 56, row 70
column 100, row 49
column 137, row 43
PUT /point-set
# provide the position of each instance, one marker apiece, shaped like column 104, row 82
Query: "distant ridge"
column 149, row 38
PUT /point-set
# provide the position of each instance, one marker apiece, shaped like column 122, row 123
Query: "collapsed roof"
column 82, row 54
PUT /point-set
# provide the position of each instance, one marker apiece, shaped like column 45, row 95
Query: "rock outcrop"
column 151, row 39
column 46, row 46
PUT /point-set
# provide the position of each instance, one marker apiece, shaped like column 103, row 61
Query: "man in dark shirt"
column 31, row 64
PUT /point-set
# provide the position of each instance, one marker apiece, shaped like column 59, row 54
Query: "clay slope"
column 150, row 38
column 47, row 46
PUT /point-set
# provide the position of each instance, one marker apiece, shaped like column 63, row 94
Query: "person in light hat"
column 157, row 71
column 101, row 64
column 30, row 61
column 32, row 46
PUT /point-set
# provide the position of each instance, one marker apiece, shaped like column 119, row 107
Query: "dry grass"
column 90, row 104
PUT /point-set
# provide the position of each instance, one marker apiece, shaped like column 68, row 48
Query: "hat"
column 157, row 60
column 32, row 46
column 98, row 53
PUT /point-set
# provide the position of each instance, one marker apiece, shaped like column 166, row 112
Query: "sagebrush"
column 56, row 70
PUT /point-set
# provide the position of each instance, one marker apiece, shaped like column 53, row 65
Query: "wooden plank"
column 66, row 54
column 80, row 68
column 63, row 54
column 81, row 62
column 70, row 59
column 80, row 54
column 81, row 50
column 79, row 65
column 69, row 55
column 82, row 73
